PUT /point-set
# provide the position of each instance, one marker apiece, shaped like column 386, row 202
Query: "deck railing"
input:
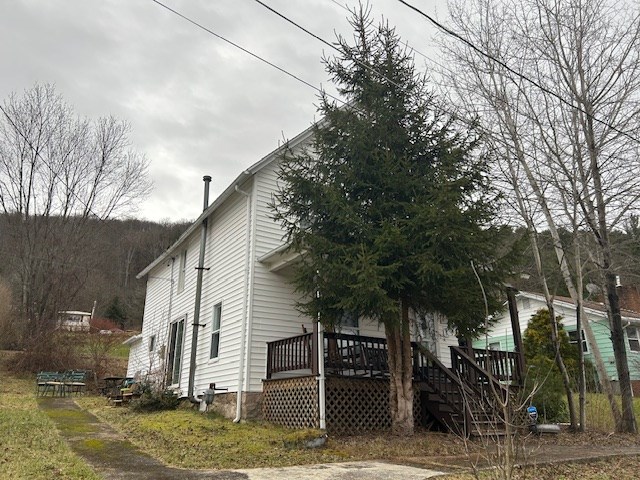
column 475, row 375
column 502, row 365
column 428, row 368
column 356, row 355
column 289, row 354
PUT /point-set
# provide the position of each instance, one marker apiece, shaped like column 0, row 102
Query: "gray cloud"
column 196, row 104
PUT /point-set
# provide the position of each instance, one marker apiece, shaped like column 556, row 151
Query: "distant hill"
column 104, row 268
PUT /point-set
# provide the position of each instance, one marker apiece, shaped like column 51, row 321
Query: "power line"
column 248, row 52
column 477, row 49
column 329, row 44
column 405, row 43
column 347, row 104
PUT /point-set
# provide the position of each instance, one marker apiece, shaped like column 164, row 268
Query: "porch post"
column 314, row 349
column 319, row 341
column 517, row 334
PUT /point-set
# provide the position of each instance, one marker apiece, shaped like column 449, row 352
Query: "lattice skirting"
column 353, row 405
column 361, row 405
column 291, row 402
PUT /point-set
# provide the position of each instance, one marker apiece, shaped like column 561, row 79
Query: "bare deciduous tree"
column 559, row 98
column 57, row 171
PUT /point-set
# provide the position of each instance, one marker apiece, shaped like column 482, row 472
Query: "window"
column 573, row 339
column 634, row 339
column 494, row 346
column 349, row 323
column 176, row 339
column 182, row 270
column 526, row 303
column 152, row 343
column 215, row 331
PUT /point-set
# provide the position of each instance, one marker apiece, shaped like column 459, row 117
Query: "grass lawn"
column 598, row 412
column 189, row 439
column 30, row 448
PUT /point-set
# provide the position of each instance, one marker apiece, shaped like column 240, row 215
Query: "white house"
column 74, row 321
column 246, row 303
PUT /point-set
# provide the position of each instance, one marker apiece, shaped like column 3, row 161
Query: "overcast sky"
column 197, row 106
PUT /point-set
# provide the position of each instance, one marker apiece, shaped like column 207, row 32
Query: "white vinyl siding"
column 182, row 271
column 215, row 331
column 223, row 283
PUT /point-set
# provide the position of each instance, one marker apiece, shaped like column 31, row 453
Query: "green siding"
column 603, row 339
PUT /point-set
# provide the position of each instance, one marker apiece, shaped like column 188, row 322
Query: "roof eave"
column 240, row 180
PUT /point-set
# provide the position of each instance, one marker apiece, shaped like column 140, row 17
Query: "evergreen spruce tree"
column 390, row 206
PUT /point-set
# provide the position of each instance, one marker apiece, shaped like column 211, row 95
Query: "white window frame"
column 350, row 323
column 182, row 271
column 176, row 350
column 635, row 338
column 494, row 345
column 216, row 323
column 574, row 341
column 152, row 343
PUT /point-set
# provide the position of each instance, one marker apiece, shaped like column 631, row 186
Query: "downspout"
column 252, row 271
column 196, row 309
column 245, row 311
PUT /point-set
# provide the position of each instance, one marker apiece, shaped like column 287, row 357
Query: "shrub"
column 549, row 398
column 542, row 371
column 153, row 400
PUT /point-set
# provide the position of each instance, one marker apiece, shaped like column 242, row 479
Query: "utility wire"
column 347, row 104
column 405, row 43
column 329, row 44
column 248, row 52
column 477, row 49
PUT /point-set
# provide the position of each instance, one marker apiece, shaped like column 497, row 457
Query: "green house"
column 500, row 336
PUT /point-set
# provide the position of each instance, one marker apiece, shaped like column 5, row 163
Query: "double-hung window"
column 215, row 331
column 573, row 339
column 182, row 271
column 176, row 340
column 633, row 335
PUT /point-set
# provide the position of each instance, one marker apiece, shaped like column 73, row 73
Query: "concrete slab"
column 342, row 471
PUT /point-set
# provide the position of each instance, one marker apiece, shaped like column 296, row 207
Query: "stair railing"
column 486, row 386
column 447, row 385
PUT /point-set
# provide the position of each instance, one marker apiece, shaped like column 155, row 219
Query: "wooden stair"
column 462, row 398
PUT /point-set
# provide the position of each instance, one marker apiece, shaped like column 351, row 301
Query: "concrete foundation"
column 225, row 405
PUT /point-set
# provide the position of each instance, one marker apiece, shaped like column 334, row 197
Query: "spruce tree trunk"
column 401, row 374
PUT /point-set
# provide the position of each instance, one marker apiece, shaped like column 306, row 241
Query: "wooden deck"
column 455, row 398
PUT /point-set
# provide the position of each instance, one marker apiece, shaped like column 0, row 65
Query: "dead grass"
column 625, row 468
column 31, row 449
column 188, row 439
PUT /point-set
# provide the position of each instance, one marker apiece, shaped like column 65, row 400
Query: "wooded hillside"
column 103, row 268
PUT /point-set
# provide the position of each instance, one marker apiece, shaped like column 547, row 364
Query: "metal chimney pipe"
column 196, row 309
